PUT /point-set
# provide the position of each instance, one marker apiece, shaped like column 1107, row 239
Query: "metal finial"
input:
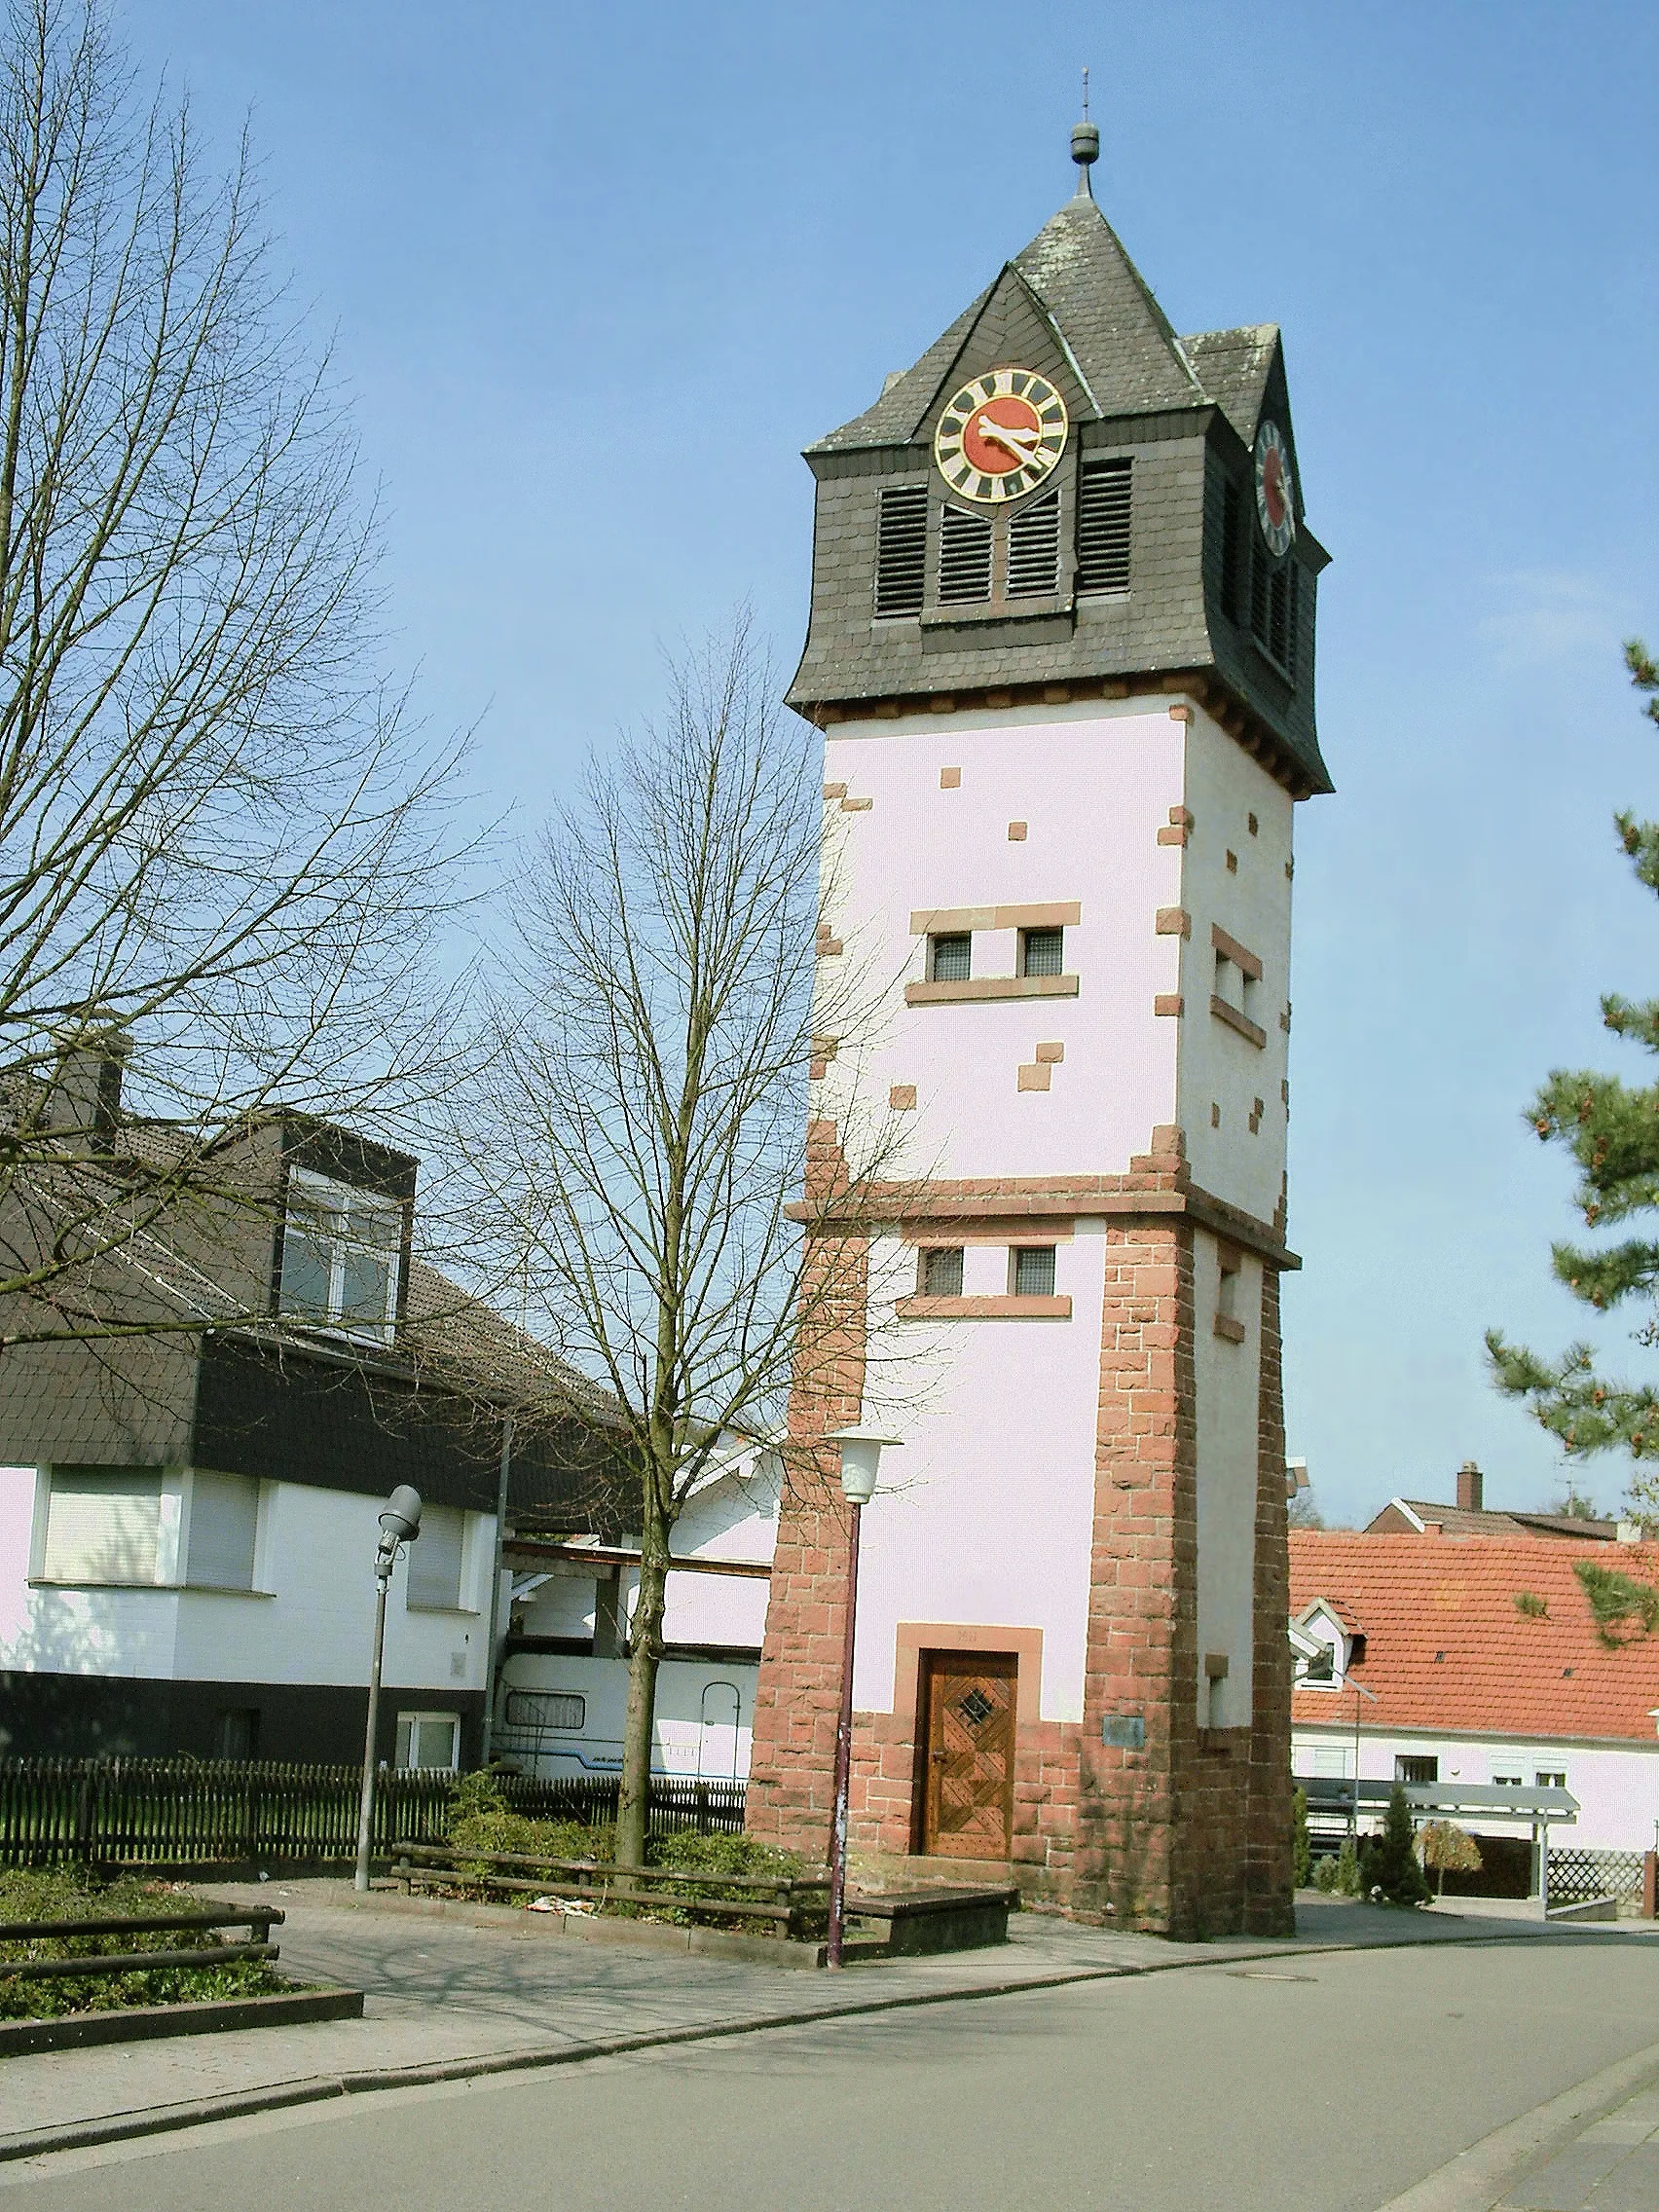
column 1085, row 146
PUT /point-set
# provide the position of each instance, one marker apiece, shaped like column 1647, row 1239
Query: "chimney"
column 1471, row 1485
column 84, row 1100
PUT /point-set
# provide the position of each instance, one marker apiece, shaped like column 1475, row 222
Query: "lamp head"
column 400, row 1518
column 861, row 1455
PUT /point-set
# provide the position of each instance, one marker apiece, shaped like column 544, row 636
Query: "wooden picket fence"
column 194, row 1811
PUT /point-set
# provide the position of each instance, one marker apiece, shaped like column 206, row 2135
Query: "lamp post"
column 860, row 1454
column 400, row 1523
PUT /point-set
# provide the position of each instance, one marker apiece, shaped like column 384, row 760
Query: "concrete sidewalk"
column 446, row 2000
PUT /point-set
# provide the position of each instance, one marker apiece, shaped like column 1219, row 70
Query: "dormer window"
column 341, row 1251
column 1324, row 1648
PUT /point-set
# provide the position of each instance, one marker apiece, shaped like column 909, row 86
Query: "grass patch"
column 71, row 1894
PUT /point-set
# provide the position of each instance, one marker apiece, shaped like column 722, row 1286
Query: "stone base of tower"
column 1188, row 1834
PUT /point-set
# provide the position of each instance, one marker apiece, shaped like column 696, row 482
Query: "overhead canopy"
column 1327, row 1793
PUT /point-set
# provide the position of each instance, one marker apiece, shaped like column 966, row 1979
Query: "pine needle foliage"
column 1624, row 1608
column 1389, row 1865
column 1611, row 1129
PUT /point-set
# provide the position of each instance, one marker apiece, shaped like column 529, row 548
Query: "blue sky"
column 597, row 275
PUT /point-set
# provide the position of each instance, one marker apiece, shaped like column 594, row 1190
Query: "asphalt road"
column 1335, row 2080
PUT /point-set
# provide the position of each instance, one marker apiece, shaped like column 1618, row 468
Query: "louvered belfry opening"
column 1103, row 526
column 964, row 557
column 1276, row 609
column 1034, row 548
column 1232, row 548
column 902, row 549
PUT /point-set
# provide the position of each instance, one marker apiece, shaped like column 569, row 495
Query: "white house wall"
column 1616, row 1785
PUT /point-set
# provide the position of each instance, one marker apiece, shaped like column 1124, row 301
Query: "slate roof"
column 1503, row 1671
column 1121, row 343
column 1233, row 368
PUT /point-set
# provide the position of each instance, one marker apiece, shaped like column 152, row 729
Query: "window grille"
column 1416, row 1770
column 1103, row 526
column 901, row 550
column 1231, row 546
column 950, row 959
column 1034, row 548
column 1034, row 1271
column 964, row 557
column 1042, row 952
column 942, row 1271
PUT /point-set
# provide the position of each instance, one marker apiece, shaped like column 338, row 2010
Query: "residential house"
column 1470, row 1516
column 1523, row 1661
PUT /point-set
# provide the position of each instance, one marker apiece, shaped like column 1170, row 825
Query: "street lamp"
column 400, row 1523
column 861, row 1455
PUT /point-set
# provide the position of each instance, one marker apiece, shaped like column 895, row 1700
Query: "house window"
column 1550, row 1778
column 341, row 1252
column 942, row 1271
column 950, row 958
column 964, row 557
column 1103, row 526
column 224, row 1527
column 558, row 1710
column 1322, row 1667
column 1411, row 1768
column 1506, row 1780
column 901, row 550
column 430, row 1740
column 1034, row 549
column 1033, row 1271
column 236, row 1733
column 103, row 1525
column 1042, row 952
column 434, row 1561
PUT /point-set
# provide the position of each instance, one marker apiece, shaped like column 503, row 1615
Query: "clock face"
column 1275, row 497
column 1000, row 435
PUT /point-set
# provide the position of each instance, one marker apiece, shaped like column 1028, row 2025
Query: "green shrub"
column 1388, row 1864
column 1304, row 1852
column 71, row 1894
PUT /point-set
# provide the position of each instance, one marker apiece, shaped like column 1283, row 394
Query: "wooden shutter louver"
column 1232, row 545
column 1034, row 549
column 1103, row 526
column 964, row 557
column 902, row 549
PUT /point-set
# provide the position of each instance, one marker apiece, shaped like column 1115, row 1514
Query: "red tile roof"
column 1503, row 1671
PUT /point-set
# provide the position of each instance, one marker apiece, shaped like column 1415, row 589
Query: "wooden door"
column 968, row 1790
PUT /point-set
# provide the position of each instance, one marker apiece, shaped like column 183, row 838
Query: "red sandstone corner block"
column 1173, row 835
column 1016, row 832
column 902, row 1098
column 1169, row 1002
column 1035, row 1076
column 834, row 791
column 950, row 779
column 1180, row 713
column 857, row 805
column 1052, row 1054
column 1173, row 921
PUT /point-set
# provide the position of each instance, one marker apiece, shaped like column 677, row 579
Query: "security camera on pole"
column 400, row 1524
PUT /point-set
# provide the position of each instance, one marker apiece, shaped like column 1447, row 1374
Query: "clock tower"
column 1061, row 650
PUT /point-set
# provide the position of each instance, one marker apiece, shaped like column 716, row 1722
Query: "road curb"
column 1478, row 2178
column 321, row 2089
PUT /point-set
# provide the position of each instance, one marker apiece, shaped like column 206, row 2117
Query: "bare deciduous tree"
column 220, row 848
column 642, row 1124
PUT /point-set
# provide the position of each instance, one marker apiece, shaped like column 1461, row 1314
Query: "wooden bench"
column 922, row 1922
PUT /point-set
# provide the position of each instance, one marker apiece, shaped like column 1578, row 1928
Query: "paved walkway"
column 446, row 1999
column 1612, row 2167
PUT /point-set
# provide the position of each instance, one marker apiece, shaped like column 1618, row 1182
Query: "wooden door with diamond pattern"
column 967, row 1794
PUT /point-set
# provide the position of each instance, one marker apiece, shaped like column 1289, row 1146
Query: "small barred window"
column 901, row 550
column 964, row 557
column 1042, row 952
column 1103, row 526
column 950, row 958
column 1034, row 1271
column 942, row 1271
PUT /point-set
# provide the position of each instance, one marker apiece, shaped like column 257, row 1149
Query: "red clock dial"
column 1275, row 497
column 1000, row 435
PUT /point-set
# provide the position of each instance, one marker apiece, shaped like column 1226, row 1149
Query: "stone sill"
column 166, row 1589
column 1249, row 1030
column 978, row 990
column 1226, row 1327
column 998, row 1309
